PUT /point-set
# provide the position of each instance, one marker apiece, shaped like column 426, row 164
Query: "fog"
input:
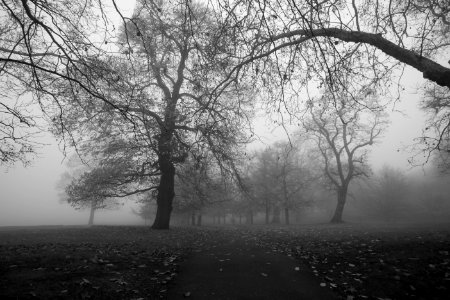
column 29, row 195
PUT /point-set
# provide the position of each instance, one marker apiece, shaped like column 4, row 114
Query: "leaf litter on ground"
column 104, row 262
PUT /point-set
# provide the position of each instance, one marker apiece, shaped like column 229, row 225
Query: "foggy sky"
column 28, row 196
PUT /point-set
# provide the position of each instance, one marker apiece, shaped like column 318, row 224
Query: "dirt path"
column 238, row 269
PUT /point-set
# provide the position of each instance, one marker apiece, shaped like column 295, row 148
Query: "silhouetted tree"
column 146, row 209
column 385, row 195
column 279, row 177
column 200, row 187
column 18, row 127
column 171, row 55
column 293, row 48
column 434, row 143
column 338, row 34
column 84, row 187
column 307, row 42
column 42, row 43
column 342, row 130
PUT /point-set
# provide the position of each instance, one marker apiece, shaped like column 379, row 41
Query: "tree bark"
column 193, row 219
column 342, row 197
column 91, row 215
column 430, row 69
column 166, row 191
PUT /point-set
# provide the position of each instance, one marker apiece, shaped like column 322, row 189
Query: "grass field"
column 118, row 262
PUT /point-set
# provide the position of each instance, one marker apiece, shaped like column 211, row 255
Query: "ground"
column 346, row 261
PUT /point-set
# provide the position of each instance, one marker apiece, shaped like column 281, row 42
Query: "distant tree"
column 342, row 130
column 249, row 204
column 146, row 209
column 386, row 195
column 294, row 175
column 279, row 177
column 261, row 180
column 391, row 192
column 201, row 187
column 84, row 188
column 83, row 193
column 193, row 188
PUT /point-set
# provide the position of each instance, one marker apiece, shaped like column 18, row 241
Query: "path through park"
column 240, row 269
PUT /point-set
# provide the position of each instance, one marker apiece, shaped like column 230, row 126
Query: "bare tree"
column 146, row 209
column 293, row 48
column 18, row 128
column 84, row 187
column 336, row 33
column 342, row 132
column 279, row 177
column 434, row 143
column 170, row 56
column 194, row 186
column 261, row 182
column 294, row 176
column 41, row 42
column 308, row 42
column 391, row 191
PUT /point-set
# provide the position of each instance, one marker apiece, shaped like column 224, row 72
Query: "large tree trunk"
column 91, row 215
column 166, row 192
column 342, row 197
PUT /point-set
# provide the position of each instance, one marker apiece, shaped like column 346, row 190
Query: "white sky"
column 28, row 195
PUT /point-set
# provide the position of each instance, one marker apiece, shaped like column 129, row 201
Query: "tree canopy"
column 178, row 78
